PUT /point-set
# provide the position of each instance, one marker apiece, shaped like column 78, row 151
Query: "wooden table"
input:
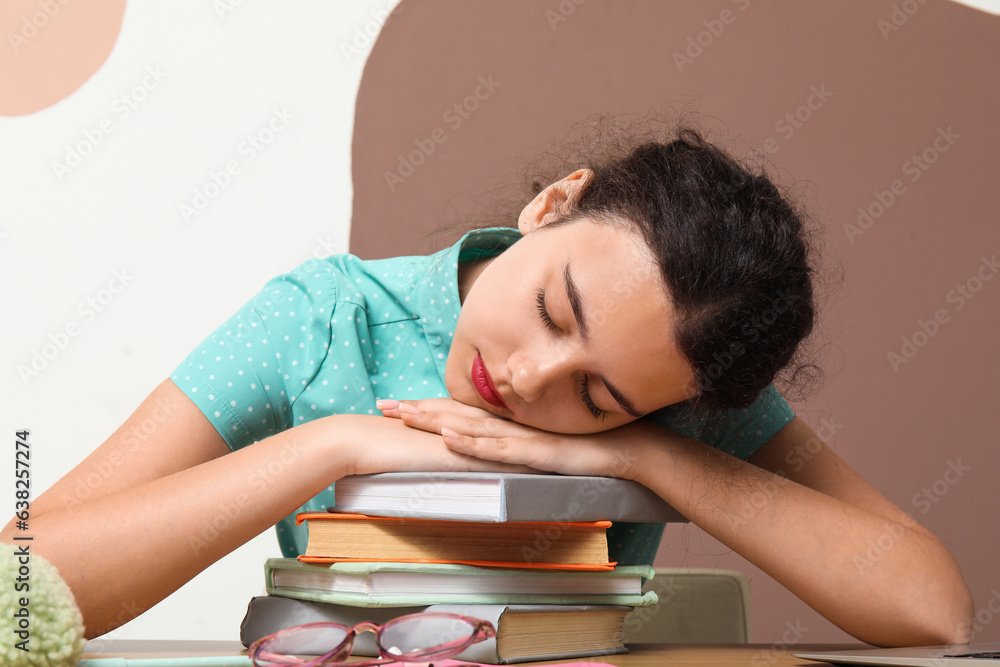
column 640, row 655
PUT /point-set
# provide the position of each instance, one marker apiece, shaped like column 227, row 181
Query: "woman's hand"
column 373, row 444
column 479, row 433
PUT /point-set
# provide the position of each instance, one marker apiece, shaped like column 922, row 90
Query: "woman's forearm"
column 882, row 581
column 122, row 553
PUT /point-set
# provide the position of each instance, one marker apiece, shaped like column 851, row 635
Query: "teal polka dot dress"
column 335, row 334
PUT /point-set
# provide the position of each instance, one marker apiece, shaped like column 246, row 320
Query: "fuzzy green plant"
column 40, row 624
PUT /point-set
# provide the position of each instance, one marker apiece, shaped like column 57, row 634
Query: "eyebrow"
column 573, row 294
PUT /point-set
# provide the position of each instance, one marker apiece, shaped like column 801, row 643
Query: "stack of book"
column 528, row 553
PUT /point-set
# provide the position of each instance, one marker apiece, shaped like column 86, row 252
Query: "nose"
column 535, row 372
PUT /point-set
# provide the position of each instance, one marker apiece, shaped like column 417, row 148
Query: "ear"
column 553, row 201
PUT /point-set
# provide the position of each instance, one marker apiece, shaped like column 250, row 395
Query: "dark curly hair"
column 734, row 253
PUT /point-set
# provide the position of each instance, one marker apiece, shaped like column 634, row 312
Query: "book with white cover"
column 386, row 584
column 490, row 496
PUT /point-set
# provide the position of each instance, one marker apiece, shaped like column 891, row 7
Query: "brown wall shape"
column 897, row 158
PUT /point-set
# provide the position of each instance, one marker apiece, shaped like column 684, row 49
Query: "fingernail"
column 386, row 404
column 410, row 409
column 448, row 433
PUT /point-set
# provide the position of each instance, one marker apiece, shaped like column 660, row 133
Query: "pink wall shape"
column 52, row 48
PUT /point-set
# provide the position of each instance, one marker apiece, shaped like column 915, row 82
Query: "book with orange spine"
column 344, row 537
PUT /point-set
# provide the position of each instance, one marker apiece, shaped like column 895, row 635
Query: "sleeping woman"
column 630, row 320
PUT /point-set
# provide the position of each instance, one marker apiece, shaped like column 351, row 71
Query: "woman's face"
column 569, row 330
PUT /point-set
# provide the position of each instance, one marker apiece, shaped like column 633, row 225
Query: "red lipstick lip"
column 484, row 384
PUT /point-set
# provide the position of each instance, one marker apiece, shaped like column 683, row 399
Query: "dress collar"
column 437, row 291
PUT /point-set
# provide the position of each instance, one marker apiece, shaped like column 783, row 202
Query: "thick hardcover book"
column 524, row 632
column 404, row 584
column 340, row 537
column 488, row 496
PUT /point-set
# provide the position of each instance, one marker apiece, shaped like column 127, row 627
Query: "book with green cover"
column 491, row 496
column 384, row 584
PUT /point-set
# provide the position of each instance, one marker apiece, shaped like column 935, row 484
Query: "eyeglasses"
column 411, row 638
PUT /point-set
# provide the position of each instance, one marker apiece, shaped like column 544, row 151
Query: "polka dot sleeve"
column 737, row 432
column 245, row 376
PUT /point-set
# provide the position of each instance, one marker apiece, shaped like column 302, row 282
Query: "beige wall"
column 891, row 91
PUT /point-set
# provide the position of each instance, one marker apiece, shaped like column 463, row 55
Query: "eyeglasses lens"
column 426, row 636
column 308, row 641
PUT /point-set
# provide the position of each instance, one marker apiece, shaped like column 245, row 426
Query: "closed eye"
column 589, row 401
column 543, row 311
column 583, row 389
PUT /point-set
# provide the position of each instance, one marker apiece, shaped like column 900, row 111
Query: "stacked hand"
column 475, row 432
